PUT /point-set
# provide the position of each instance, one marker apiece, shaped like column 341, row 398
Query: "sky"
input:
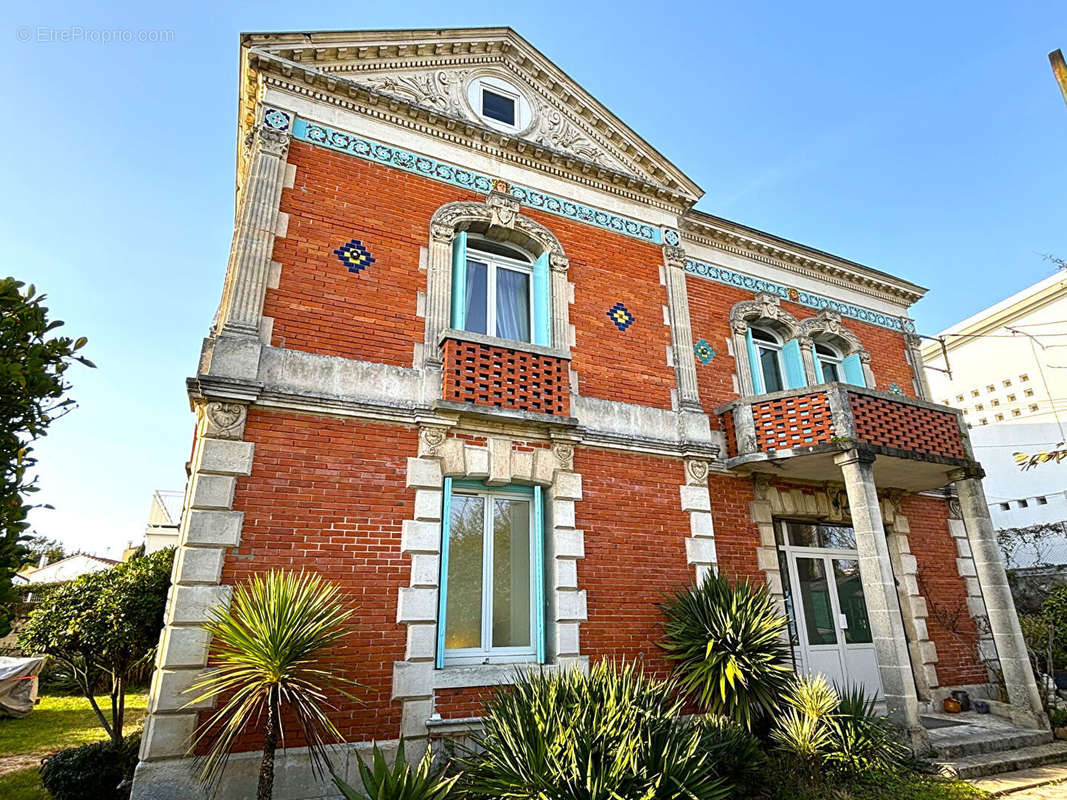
column 925, row 139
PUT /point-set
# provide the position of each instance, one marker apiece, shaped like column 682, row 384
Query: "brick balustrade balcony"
column 489, row 374
column 797, row 432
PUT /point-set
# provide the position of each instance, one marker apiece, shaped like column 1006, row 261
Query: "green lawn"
column 22, row 785
column 58, row 722
column 64, row 721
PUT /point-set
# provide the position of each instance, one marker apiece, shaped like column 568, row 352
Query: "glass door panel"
column 850, row 599
column 814, row 591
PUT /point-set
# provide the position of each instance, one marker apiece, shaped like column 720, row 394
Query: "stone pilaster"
column 1004, row 626
column 685, row 368
column 208, row 528
column 248, row 269
column 915, row 358
column 438, row 292
column 880, row 593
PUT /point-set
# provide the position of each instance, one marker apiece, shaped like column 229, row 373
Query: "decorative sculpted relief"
column 696, row 471
column 564, row 454
column 432, row 439
column 556, row 131
column 828, row 322
column 444, row 91
column 764, row 306
column 439, row 89
column 224, row 420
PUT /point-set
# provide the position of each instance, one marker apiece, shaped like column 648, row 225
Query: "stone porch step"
column 999, row 762
column 951, row 746
column 1010, row 782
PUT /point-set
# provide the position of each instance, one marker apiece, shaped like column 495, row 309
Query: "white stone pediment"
column 551, row 125
column 434, row 70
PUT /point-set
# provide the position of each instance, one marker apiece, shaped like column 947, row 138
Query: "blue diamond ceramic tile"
column 354, row 256
column 620, row 317
column 894, row 388
column 278, row 120
column 671, row 237
column 704, row 351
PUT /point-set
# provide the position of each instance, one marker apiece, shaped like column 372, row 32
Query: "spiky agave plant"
column 612, row 733
column 401, row 781
column 726, row 642
column 264, row 650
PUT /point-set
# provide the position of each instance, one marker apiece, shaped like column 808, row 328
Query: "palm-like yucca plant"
column 401, row 781
column 264, row 650
column 610, row 734
column 823, row 730
column 726, row 642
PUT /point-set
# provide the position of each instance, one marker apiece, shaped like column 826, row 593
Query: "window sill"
column 493, row 341
column 460, row 676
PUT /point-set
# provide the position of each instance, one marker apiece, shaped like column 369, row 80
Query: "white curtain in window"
column 512, row 305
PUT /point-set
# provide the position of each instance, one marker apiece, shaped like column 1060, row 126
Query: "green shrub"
column 1054, row 611
column 614, row 733
column 399, row 782
column 90, row 771
column 1058, row 717
column 734, row 753
column 823, row 732
column 726, row 642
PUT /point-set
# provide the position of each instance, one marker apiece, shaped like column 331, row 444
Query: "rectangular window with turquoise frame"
column 491, row 606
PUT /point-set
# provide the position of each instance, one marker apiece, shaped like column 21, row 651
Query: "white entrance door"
column 828, row 615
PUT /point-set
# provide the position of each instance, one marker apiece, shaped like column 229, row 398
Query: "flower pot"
column 981, row 706
column 951, row 705
column 1060, row 733
column 963, row 699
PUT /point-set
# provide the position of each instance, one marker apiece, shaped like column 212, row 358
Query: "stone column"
column 1026, row 709
column 685, row 368
column 880, row 593
column 807, row 356
column 253, row 240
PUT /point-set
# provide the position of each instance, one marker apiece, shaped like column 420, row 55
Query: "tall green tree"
column 33, row 389
column 103, row 627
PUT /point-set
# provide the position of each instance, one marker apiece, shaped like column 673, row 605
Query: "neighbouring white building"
column 1006, row 369
column 164, row 518
column 67, row 569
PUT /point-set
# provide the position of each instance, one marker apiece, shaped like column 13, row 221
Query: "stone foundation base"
column 176, row 778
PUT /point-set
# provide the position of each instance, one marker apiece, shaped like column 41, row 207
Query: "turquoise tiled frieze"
column 469, row 179
column 804, row 298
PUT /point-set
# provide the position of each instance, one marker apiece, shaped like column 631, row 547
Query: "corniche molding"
column 701, row 232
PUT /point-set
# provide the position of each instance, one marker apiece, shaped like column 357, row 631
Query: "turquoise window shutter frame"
column 459, row 281
column 442, row 594
column 539, row 570
column 854, row 370
column 794, row 365
column 542, row 323
column 753, row 363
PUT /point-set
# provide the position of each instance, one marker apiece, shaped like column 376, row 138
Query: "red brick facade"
column 329, row 493
column 950, row 625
